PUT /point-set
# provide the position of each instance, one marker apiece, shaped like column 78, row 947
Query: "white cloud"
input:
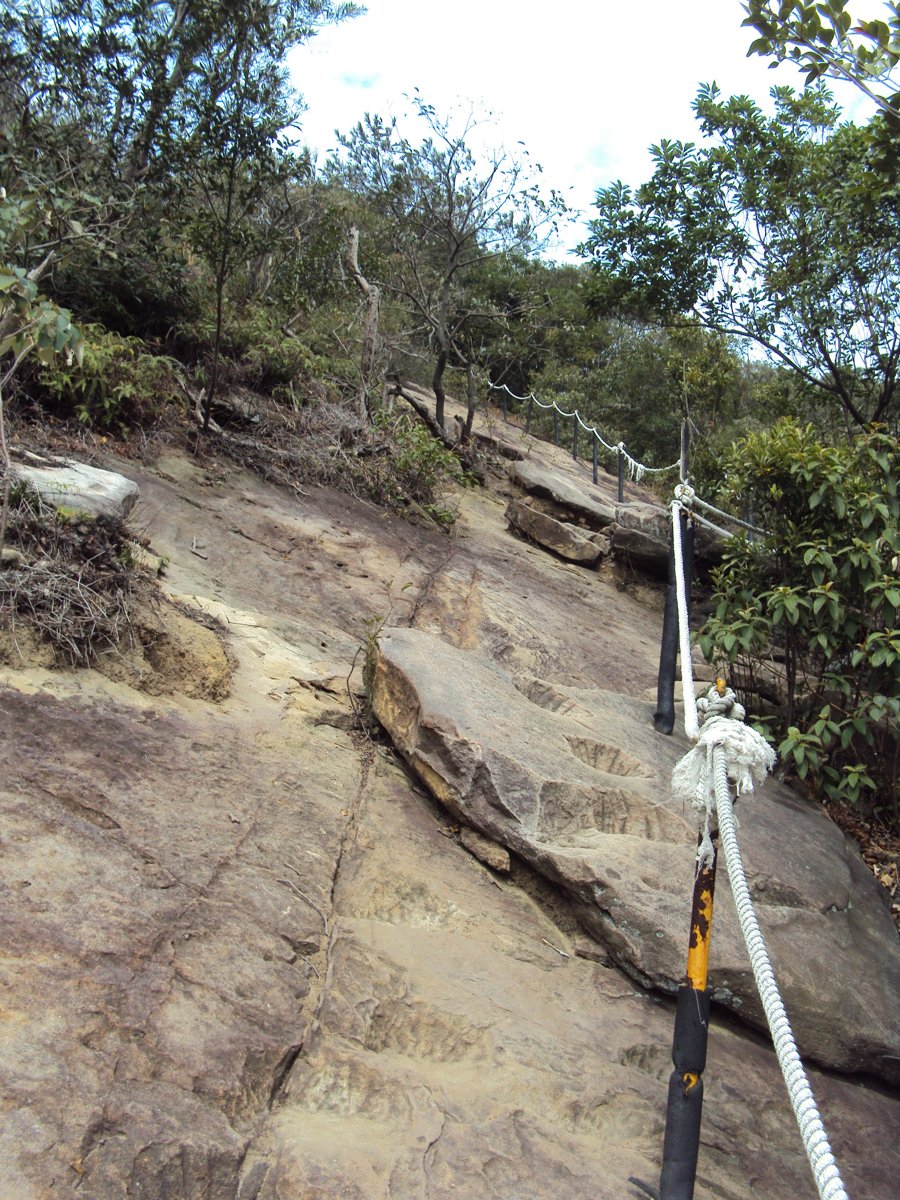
column 586, row 85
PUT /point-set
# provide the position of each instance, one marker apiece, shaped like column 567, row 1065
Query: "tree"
column 823, row 40
column 101, row 106
column 806, row 617
column 236, row 155
column 769, row 232
column 443, row 213
column 121, row 69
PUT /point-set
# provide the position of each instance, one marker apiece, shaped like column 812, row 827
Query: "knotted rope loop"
column 748, row 757
column 684, row 494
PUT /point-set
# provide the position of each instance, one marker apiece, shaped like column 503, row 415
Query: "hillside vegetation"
column 174, row 264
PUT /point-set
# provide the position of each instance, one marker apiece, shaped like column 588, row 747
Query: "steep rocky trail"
column 247, row 957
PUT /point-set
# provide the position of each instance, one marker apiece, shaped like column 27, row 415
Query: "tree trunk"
column 372, row 296
column 437, row 386
column 439, row 432
column 471, row 402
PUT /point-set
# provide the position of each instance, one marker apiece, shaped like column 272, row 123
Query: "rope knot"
column 716, row 704
column 748, row 757
column 684, row 494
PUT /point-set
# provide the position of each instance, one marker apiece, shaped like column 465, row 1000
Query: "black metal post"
column 620, row 458
column 596, row 475
column 684, row 1109
column 556, row 426
column 664, row 717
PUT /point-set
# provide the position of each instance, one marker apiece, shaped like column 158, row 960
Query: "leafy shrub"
column 271, row 360
column 119, row 382
column 143, row 290
column 807, row 617
column 256, row 352
column 412, row 469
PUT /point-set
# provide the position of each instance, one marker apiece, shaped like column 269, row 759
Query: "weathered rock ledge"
column 575, row 783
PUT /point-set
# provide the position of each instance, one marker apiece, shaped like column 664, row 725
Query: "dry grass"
column 72, row 580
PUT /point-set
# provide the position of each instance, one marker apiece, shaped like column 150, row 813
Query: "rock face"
column 577, row 786
column 581, row 500
column 247, row 956
column 78, row 486
column 638, row 531
column 563, row 538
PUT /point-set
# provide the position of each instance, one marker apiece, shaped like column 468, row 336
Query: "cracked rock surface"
column 246, row 956
column 569, row 780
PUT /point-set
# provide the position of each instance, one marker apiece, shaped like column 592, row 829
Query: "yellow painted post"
column 684, row 1110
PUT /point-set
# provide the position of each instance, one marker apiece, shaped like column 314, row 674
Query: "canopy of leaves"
column 775, row 230
column 825, row 40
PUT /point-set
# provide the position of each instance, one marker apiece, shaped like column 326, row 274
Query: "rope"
column 636, row 470
column 727, row 753
column 691, row 727
column 731, row 754
column 710, row 525
column 735, row 520
column 812, row 1131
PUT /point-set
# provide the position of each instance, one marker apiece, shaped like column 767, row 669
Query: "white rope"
column 728, row 516
column 731, row 754
column 691, row 726
column 695, row 516
column 812, row 1131
column 636, row 470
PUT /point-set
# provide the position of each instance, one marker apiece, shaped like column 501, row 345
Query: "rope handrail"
column 729, row 516
column 686, row 497
column 730, row 752
column 636, row 469
column 812, row 1131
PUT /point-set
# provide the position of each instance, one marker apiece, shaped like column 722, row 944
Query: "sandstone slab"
column 580, row 499
column 78, row 486
column 576, row 784
column 490, row 853
column 641, row 550
column 464, row 1051
column 245, row 956
column 567, row 540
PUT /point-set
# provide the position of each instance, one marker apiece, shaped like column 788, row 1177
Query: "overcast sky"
column 586, row 85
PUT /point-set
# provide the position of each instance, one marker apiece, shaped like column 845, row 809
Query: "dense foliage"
column 776, row 230
column 806, row 617
column 826, row 40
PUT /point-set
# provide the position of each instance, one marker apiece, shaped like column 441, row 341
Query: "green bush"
column 119, row 382
column 806, row 618
column 414, row 469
